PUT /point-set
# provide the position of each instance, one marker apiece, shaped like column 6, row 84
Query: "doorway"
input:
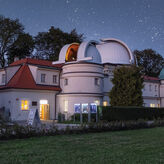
column 44, row 112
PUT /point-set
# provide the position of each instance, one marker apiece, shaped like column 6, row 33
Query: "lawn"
column 126, row 147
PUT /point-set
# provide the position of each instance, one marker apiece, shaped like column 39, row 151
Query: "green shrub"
column 16, row 131
column 61, row 117
column 129, row 113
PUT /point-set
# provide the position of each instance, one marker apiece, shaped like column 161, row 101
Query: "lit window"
column 54, row 79
column 65, row 81
column 152, row 105
column 97, row 81
column 24, row 104
column 3, row 78
column 43, row 101
column 150, row 87
column 158, row 105
column 97, row 102
column 43, row 78
column 65, row 106
column 77, row 108
column 105, row 103
column 85, row 108
column 93, row 108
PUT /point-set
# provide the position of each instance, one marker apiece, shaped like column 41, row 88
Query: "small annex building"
column 80, row 78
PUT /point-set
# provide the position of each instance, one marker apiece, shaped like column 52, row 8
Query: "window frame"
column 43, row 78
column 3, row 78
column 54, row 79
column 65, row 81
column 23, row 103
column 97, row 81
column 150, row 87
column 156, row 88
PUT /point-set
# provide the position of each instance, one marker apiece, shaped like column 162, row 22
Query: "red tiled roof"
column 36, row 62
column 23, row 79
column 151, row 78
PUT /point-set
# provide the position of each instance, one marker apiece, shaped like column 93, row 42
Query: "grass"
column 144, row 146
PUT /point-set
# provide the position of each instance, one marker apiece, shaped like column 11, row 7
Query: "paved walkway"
column 51, row 123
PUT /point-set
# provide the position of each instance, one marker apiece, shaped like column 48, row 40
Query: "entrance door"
column 44, row 112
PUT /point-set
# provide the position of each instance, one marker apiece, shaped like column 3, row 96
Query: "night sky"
column 139, row 23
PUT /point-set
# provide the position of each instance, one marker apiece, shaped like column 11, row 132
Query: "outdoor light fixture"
column 43, row 101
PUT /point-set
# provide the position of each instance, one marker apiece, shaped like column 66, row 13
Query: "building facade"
column 80, row 78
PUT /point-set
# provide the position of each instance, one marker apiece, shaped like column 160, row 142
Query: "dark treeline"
column 15, row 42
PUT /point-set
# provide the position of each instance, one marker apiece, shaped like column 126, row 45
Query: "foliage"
column 61, row 117
column 130, row 113
column 127, row 89
column 76, row 117
column 21, row 48
column 9, row 32
column 48, row 44
column 150, row 62
column 14, row 42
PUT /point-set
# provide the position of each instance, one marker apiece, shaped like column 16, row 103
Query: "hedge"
column 110, row 113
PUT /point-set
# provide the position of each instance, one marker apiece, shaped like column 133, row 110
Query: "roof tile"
column 36, row 62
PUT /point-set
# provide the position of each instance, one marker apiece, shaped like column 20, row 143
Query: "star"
column 67, row 1
column 76, row 10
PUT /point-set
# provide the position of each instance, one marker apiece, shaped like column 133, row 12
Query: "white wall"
column 151, row 93
column 12, row 99
column 81, row 78
column 34, row 70
column 148, row 91
column 149, row 101
column 49, row 76
column 10, row 71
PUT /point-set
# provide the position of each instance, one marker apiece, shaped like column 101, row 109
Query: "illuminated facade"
column 77, row 82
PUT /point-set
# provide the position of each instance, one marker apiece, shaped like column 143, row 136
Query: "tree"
column 9, row 32
column 150, row 61
column 127, row 87
column 48, row 44
column 21, row 48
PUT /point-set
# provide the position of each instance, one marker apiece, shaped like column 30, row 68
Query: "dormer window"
column 43, row 78
column 54, row 79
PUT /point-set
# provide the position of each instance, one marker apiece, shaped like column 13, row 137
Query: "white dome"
column 88, row 49
column 115, row 51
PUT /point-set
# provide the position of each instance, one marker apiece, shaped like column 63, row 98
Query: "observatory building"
column 80, row 78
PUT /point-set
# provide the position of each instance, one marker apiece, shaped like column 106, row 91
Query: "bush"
column 129, row 113
column 61, row 117
column 16, row 131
